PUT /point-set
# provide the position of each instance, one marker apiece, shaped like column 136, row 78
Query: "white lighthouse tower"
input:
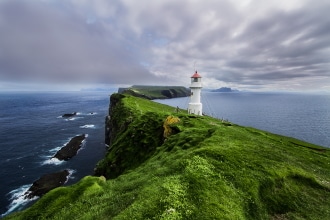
column 195, row 105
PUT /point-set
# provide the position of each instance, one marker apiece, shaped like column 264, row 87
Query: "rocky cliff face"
column 141, row 137
column 112, row 126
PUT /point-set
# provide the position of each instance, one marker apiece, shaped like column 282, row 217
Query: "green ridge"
column 206, row 169
column 156, row 92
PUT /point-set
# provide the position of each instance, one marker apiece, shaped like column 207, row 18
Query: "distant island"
column 225, row 89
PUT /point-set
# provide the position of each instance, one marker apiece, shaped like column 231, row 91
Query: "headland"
column 164, row 164
column 156, row 92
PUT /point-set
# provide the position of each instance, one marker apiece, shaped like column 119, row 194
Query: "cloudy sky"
column 243, row 44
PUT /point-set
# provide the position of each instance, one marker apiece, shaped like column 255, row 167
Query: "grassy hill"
column 164, row 164
column 156, row 92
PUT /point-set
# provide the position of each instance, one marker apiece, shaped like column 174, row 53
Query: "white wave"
column 17, row 196
column 52, row 161
column 54, row 150
column 17, row 158
column 18, row 200
column 70, row 176
column 88, row 126
column 72, row 118
column 89, row 113
column 83, row 144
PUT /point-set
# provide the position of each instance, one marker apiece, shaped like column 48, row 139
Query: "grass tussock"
column 205, row 170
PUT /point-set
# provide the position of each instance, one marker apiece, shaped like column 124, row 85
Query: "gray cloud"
column 271, row 45
column 283, row 47
column 39, row 42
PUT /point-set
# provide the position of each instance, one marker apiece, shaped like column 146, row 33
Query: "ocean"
column 31, row 132
column 32, row 129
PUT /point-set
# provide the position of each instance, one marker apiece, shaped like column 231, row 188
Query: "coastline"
column 152, row 120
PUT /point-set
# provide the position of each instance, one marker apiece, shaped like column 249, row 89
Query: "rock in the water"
column 67, row 115
column 71, row 148
column 46, row 183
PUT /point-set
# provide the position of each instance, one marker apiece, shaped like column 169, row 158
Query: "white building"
column 195, row 105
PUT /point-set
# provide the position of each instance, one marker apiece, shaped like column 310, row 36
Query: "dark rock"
column 175, row 93
column 46, row 183
column 107, row 130
column 71, row 148
column 121, row 90
column 167, row 93
column 67, row 115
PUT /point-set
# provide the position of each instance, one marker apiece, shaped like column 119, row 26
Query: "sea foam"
column 72, row 118
column 70, row 176
column 89, row 113
column 18, row 200
column 52, row 161
column 54, row 150
column 88, row 126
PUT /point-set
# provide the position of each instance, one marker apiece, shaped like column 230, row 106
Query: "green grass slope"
column 157, row 92
column 204, row 169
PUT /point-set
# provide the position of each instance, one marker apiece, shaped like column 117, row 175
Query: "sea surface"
column 31, row 132
column 32, row 129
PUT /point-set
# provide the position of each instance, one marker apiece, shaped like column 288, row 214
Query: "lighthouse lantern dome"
column 196, row 77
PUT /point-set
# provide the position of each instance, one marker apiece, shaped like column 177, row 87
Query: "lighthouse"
column 195, row 105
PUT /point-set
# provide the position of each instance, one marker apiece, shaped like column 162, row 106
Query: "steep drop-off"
column 167, row 165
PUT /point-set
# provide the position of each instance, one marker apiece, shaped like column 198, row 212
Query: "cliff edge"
column 156, row 92
column 164, row 164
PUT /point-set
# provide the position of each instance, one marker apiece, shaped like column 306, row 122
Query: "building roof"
column 196, row 75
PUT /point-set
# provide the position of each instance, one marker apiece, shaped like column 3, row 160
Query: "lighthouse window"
column 195, row 79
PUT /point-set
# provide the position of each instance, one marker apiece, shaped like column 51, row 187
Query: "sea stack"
column 68, row 115
column 71, row 148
